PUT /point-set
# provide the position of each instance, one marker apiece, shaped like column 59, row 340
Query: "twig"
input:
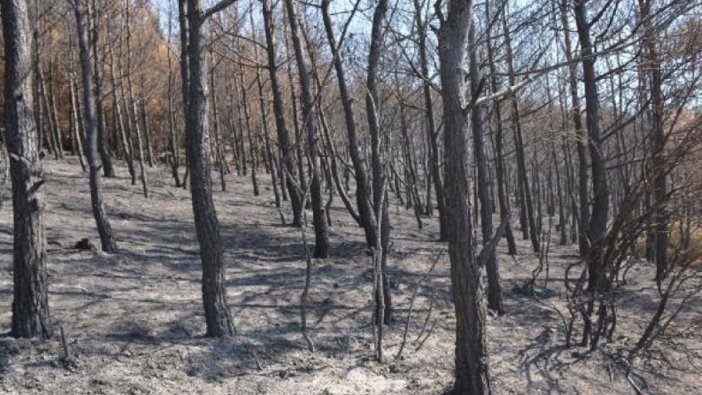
column 411, row 305
column 66, row 354
column 426, row 320
column 431, row 329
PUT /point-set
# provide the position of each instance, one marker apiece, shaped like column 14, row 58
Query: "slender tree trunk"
column 90, row 144
column 117, row 115
column 30, row 305
column 249, row 132
column 321, row 247
column 44, row 113
column 481, row 161
column 36, row 58
column 76, row 135
column 583, row 188
column 132, row 111
column 430, row 123
column 656, row 113
column 363, row 197
column 519, row 144
column 103, row 148
column 287, row 155
column 53, row 114
column 380, row 198
column 146, row 123
column 173, row 146
column 502, row 196
column 218, row 145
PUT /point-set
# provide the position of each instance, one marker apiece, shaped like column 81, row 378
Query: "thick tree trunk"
column 214, row 295
column 600, row 203
column 471, row 371
column 30, row 305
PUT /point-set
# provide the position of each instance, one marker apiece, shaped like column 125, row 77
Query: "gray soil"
column 133, row 319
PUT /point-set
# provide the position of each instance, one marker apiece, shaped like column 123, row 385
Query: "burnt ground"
column 134, row 325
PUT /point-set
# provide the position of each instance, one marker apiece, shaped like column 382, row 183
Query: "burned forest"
column 351, row 197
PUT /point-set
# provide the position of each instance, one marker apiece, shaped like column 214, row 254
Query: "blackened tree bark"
column 287, row 153
column 363, row 198
column 82, row 11
column 583, row 188
column 263, row 105
column 657, row 137
column 380, row 200
column 600, row 203
column 214, row 295
column 30, row 305
column 471, row 371
column 525, row 199
column 430, row 123
column 309, row 116
column 505, row 214
column 103, row 148
column 481, row 161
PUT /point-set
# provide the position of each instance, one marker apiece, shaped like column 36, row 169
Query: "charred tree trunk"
column 583, row 189
column 90, row 143
column 471, row 358
column 173, row 146
column 432, row 133
column 600, row 203
column 321, row 246
column 363, row 198
column 30, row 304
column 481, row 161
column 657, row 137
column 103, row 148
column 380, row 198
column 287, row 153
column 214, row 294
column 132, row 111
column 525, row 199
column 502, row 195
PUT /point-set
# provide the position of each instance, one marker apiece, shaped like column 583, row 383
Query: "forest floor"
column 133, row 319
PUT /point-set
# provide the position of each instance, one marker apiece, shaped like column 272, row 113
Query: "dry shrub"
column 683, row 240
